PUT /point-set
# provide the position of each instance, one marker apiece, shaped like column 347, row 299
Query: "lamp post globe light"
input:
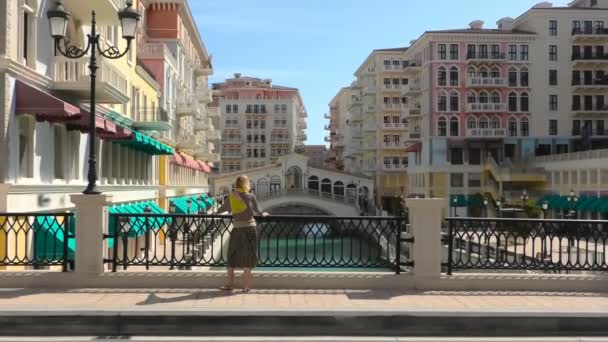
column 572, row 201
column 524, row 198
column 545, row 209
column 498, row 204
column 485, row 207
column 58, row 21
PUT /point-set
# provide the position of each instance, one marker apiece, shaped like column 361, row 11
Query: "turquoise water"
column 291, row 248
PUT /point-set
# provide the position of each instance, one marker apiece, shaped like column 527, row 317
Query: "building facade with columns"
column 45, row 109
column 260, row 122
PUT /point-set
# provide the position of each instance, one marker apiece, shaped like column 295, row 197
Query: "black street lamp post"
column 524, row 198
column 572, row 201
column 498, row 205
column 58, row 20
column 455, row 200
column 485, row 207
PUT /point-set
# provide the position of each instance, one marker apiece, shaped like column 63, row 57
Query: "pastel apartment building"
column 481, row 103
column 260, row 122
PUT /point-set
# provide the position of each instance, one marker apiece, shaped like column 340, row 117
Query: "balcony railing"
column 591, row 57
column 589, row 109
column 590, row 84
column 486, row 107
column 72, row 76
column 394, row 125
column 226, row 140
column 187, row 105
column 487, row 132
column 393, row 144
column 486, row 56
column 231, row 154
column 155, row 51
column 394, row 167
column 594, row 132
column 588, row 32
column 486, row 82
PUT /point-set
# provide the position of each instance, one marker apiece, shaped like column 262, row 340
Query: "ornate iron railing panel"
column 527, row 245
column 37, row 240
column 186, row 241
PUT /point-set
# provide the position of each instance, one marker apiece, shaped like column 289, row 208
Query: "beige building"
column 317, row 155
column 260, row 122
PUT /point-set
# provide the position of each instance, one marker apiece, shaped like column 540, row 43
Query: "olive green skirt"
column 243, row 248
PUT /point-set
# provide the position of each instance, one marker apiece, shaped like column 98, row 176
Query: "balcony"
column 415, row 135
column 594, row 85
column 370, row 127
column 231, row 154
column 213, row 135
column 486, row 57
column 105, row 10
column 302, row 125
column 413, row 89
column 187, row 142
column 152, row 120
column 397, row 126
column 213, row 112
column 370, row 146
column 156, row 51
column 590, row 58
column 354, row 103
column 590, row 110
column 487, row 133
column 71, row 76
column 302, row 137
column 485, row 82
column 394, row 144
column 202, row 125
column 284, row 140
column 411, row 68
column 486, row 107
column 204, row 94
column 595, row 34
column 416, row 111
column 231, row 140
column 187, row 106
column 394, row 167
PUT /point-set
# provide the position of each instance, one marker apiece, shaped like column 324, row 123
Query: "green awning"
column 147, row 144
column 584, row 203
column 602, row 205
column 137, row 226
column 196, row 206
column 458, row 201
column 49, row 236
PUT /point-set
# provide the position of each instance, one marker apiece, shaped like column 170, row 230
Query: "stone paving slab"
column 307, row 302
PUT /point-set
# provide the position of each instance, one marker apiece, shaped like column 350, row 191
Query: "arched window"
column 471, row 122
column 483, row 72
column 442, row 76
column 442, row 127
column 471, row 97
column 523, row 77
column 471, row 72
column 495, row 123
column 454, row 101
column 483, row 97
column 454, row 127
column 524, row 102
column 524, row 127
column 483, row 123
column 495, row 97
column 442, row 102
column 512, row 102
column 326, row 186
column 339, row 189
column 454, row 76
column 512, row 77
column 512, row 127
column 495, row 73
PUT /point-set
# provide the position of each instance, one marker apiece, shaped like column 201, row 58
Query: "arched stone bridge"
column 290, row 186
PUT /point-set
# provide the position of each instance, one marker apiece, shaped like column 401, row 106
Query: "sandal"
column 226, row 288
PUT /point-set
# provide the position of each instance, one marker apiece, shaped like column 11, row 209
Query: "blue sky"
column 316, row 45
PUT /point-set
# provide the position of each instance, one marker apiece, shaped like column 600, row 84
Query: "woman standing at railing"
column 243, row 242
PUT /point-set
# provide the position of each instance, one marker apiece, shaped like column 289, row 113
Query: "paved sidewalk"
column 13, row 301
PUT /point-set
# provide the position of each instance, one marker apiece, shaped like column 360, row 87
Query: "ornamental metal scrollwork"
column 70, row 51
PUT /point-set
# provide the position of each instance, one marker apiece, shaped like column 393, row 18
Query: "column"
column 425, row 219
column 91, row 223
column 4, row 188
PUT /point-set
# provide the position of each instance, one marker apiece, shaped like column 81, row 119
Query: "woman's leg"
column 247, row 279
column 230, row 281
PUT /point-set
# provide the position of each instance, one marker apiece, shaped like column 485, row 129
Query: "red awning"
column 204, row 167
column 417, row 147
column 105, row 128
column 185, row 161
column 46, row 107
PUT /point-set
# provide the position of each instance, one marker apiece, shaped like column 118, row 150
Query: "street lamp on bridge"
column 58, row 20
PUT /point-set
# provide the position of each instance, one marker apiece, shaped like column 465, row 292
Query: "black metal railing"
column 324, row 242
column 527, row 245
column 595, row 30
column 37, row 240
column 589, row 56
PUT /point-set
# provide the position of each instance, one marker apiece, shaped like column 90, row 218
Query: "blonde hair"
column 242, row 182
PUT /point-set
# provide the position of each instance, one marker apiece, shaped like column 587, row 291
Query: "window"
column 552, row 127
column 454, row 102
column 552, row 77
column 249, row 124
column 483, row 52
column 512, row 102
column 59, row 151
column 524, row 127
column 26, row 146
column 553, row 103
column 512, row 52
column 512, row 127
column 471, row 51
column 235, row 109
column 495, row 51
column 456, row 179
column 576, row 127
column 27, row 34
column 483, row 97
column 471, row 98
column 454, row 127
column 524, row 56
column 454, row 52
column 256, row 109
column 576, row 102
column 228, row 109
column 553, row 27
column 495, row 97
column 524, row 102
column 454, row 76
column 283, row 108
column 599, row 128
column 552, row 52
column 263, row 109
column 495, row 123
column 442, row 103
column 442, row 77
column 512, row 78
column 471, row 123
column 277, row 108
column 576, row 26
column 523, row 77
column 495, row 73
column 442, row 127
column 387, row 83
column 483, row 123
column 442, row 52
column 404, row 81
column 249, row 109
